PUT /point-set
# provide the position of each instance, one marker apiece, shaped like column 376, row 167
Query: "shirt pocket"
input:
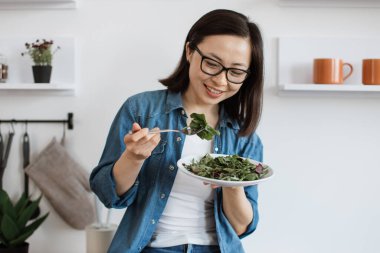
column 158, row 151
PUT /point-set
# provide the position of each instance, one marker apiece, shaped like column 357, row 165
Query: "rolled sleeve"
column 252, row 195
column 102, row 181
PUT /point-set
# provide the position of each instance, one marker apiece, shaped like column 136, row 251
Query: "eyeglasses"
column 214, row 68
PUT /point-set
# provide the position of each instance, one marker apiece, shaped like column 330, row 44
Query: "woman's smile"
column 212, row 92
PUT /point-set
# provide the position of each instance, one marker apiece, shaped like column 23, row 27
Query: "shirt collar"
column 173, row 101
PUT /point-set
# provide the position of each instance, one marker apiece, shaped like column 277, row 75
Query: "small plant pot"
column 42, row 74
column 21, row 249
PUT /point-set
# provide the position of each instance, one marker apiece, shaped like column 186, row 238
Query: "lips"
column 213, row 92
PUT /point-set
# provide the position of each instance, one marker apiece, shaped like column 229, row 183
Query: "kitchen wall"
column 324, row 148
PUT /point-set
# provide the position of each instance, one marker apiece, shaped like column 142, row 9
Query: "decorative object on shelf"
column 330, row 71
column 41, row 53
column 3, row 69
column 16, row 226
column 371, row 71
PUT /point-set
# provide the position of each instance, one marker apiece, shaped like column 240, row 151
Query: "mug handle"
column 351, row 70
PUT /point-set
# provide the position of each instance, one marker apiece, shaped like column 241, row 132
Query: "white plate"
column 188, row 160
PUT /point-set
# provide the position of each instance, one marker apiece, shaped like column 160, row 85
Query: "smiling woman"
column 220, row 75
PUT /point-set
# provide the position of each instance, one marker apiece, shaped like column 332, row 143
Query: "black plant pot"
column 21, row 249
column 42, row 74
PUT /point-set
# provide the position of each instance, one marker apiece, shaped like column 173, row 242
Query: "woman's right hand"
column 140, row 143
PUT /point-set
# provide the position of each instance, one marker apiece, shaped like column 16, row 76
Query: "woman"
column 220, row 74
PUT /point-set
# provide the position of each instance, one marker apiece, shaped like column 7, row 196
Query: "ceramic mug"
column 330, row 71
column 371, row 71
column 3, row 73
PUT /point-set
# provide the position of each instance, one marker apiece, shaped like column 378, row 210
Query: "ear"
column 189, row 52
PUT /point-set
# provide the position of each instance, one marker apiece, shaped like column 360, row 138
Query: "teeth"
column 213, row 91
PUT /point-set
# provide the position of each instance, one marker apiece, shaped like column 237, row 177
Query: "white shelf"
column 37, row 4
column 20, row 77
column 330, row 87
column 37, row 86
column 295, row 63
column 331, row 3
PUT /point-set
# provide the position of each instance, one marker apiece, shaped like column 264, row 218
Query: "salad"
column 229, row 168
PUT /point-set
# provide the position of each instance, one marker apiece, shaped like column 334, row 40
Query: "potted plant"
column 15, row 223
column 41, row 53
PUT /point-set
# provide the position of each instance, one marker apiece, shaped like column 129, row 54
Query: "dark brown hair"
column 246, row 105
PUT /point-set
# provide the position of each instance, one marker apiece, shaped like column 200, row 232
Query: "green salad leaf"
column 229, row 168
column 198, row 122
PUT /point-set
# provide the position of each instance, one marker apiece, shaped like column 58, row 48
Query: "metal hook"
column 13, row 128
column 26, row 126
column 64, row 134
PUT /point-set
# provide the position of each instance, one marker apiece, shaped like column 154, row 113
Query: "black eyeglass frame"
column 223, row 67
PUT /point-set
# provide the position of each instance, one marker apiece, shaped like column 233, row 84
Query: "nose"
column 221, row 78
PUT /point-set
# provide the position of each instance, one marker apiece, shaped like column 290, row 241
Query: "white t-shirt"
column 188, row 217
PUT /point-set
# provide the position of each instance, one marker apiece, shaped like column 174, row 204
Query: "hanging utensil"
column 26, row 155
column 1, row 149
column 1, row 157
column 3, row 164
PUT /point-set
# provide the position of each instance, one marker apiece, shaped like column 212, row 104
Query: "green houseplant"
column 15, row 223
column 41, row 52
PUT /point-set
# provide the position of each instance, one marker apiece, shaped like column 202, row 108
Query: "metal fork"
column 186, row 130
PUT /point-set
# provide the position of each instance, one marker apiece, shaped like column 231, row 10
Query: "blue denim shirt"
column 146, row 199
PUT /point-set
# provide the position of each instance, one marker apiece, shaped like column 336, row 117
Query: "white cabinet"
column 37, row 4
column 20, row 76
column 295, row 63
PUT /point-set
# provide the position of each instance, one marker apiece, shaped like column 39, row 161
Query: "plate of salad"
column 225, row 170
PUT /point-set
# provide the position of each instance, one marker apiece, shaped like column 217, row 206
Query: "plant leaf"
column 21, row 203
column 6, row 205
column 28, row 212
column 28, row 231
column 9, row 228
column 3, row 240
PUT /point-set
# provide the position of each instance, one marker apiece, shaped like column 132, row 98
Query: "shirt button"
column 179, row 139
column 216, row 149
column 183, row 112
column 162, row 195
column 153, row 221
column 171, row 167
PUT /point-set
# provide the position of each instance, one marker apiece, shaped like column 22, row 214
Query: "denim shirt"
column 146, row 199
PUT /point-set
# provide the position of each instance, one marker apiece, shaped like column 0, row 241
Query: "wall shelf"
column 331, row 3
column 20, row 77
column 37, row 4
column 37, row 86
column 295, row 63
column 330, row 87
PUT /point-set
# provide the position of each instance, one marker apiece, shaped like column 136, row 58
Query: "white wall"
column 324, row 149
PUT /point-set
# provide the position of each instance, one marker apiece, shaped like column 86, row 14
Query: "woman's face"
column 229, row 51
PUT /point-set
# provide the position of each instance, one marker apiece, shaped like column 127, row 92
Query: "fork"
column 186, row 130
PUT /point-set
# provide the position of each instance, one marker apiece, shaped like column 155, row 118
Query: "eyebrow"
column 233, row 64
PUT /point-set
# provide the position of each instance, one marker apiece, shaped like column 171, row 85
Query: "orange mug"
column 371, row 71
column 330, row 71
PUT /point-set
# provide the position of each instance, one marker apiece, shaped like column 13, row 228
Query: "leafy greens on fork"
column 199, row 125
